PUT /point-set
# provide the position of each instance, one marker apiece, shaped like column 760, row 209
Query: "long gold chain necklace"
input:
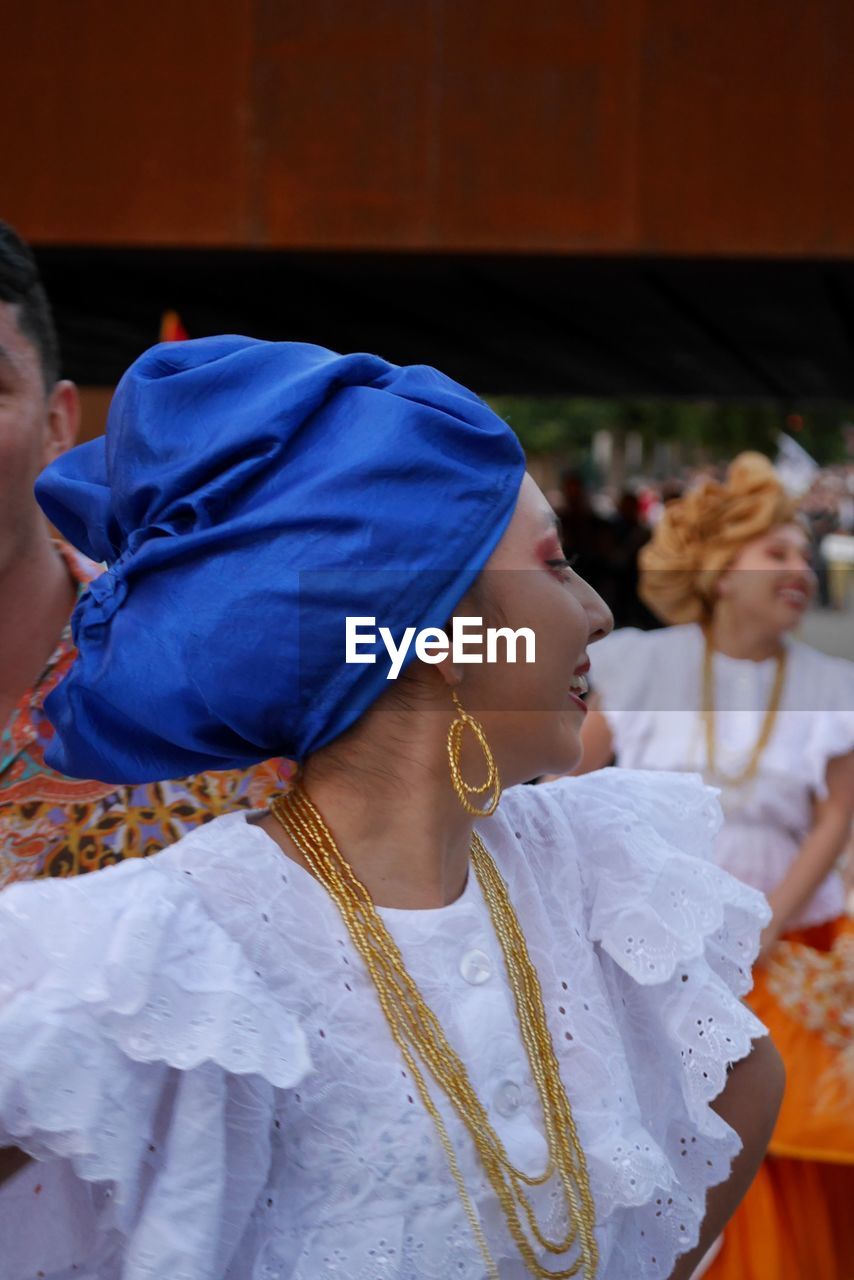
column 739, row 779
column 420, row 1037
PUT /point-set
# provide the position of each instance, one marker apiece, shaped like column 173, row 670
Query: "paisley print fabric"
column 51, row 825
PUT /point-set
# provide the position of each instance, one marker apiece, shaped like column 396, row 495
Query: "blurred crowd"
column 605, row 530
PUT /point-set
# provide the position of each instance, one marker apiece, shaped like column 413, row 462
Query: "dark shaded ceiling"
column 503, row 324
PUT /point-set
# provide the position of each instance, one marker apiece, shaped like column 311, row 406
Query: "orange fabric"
column 797, row 1220
column 816, row 1121
column 793, row 1224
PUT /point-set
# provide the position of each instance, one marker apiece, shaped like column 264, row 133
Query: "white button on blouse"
column 476, row 967
column 508, row 1098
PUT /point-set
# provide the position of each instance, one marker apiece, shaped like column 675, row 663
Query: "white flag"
column 795, row 467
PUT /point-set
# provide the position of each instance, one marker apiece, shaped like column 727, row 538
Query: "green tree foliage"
column 705, row 430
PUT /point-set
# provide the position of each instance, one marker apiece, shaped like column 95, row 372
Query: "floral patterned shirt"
column 51, row 825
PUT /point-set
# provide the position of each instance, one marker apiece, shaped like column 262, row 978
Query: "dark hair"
column 20, row 285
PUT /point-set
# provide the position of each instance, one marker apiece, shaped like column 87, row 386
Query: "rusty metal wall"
column 568, row 126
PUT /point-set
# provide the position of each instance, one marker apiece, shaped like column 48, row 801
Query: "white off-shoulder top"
column 191, row 1049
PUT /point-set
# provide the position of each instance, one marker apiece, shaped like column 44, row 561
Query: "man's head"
column 21, row 286
column 39, row 414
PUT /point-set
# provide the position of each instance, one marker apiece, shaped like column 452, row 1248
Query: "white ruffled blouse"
column 191, row 1049
column 650, row 684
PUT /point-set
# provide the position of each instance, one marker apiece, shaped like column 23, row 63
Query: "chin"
column 566, row 753
column 788, row 618
column 551, row 745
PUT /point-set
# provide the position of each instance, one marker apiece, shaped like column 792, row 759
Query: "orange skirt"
column 797, row 1220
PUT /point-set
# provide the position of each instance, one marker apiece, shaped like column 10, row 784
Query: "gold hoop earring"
column 492, row 786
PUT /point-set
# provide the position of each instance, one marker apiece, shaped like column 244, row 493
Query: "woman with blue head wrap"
column 393, row 1028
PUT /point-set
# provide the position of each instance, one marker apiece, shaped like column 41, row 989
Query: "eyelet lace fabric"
column 193, row 1041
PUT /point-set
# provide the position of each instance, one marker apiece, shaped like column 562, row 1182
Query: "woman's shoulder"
column 815, row 674
column 641, row 845
column 631, row 669
column 230, row 842
column 819, row 724
column 141, row 954
column 209, row 865
column 678, row 805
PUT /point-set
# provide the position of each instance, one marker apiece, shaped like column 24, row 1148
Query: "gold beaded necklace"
column 420, row 1038
column 739, row 779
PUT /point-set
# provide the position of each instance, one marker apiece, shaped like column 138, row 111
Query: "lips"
column 793, row 594
column 578, row 684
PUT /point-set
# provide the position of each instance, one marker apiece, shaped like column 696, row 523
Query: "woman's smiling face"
column 770, row 579
column 530, row 712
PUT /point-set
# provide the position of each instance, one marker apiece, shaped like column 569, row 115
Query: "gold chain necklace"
column 420, row 1037
column 739, row 779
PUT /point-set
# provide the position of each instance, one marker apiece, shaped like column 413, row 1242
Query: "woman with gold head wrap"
column 726, row 690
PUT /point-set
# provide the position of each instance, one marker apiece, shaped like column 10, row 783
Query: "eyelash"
column 565, row 562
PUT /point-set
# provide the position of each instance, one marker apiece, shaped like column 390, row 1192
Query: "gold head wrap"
column 700, row 535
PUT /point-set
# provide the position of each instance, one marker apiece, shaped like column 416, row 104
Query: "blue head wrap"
column 248, row 497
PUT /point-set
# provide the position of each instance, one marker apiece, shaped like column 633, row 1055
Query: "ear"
column 63, row 421
column 450, row 671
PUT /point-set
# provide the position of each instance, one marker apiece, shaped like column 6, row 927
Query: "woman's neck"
column 743, row 637
column 406, row 836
